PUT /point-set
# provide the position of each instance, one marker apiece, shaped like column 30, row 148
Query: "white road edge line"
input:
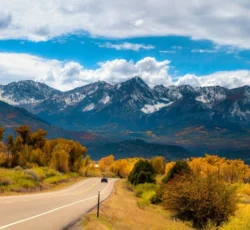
column 53, row 210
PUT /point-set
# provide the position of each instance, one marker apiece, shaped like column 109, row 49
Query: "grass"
column 17, row 180
column 129, row 209
column 121, row 211
column 241, row 221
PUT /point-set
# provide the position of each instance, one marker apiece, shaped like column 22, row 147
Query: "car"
column 104, row 180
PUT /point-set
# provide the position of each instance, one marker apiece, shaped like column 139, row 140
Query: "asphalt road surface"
column 52, row 210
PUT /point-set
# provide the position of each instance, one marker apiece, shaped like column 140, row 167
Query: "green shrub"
column 180, row 167
column 141, row 188
column 143, row 172
column 155, row 199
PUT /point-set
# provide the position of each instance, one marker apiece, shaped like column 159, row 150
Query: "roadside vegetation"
column 200, row 193
column 204, row 193
column 29, row 162
column 121, row 211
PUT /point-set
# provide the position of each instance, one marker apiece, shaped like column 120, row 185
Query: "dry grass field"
column 121, row 212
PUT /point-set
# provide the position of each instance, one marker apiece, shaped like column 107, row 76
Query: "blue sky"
column 199, row 57
column 66, row 45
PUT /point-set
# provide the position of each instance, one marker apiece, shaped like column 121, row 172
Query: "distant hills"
column 139, row 148
column 11, row 117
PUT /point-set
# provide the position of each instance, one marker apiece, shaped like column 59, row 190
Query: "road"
column 52, row 210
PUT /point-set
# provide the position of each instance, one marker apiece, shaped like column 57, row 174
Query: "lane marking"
column 53, row 210
column 92, row 186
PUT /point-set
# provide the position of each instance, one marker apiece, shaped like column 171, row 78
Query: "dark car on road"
column 104, row 180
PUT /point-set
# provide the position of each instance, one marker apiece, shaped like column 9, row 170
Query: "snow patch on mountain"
column 73, row 99
column 154, row 108
column 105, row 99
column 236, row 112
column 202, row 99
column 11, row 101
column 89, row 107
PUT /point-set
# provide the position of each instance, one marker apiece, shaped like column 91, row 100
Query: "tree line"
column 31, row 149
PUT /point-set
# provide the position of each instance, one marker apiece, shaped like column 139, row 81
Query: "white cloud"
column 68, row 75
column 5, row 20
column 204, row 50
column 228, row 79
column 127, row 46
column 225, row 22
column 176, row 47
column 167, row 51
column 189, row 80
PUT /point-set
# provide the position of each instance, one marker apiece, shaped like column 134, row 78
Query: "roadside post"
column 98, row 204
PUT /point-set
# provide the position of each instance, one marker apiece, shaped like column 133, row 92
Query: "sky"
column 67, row 44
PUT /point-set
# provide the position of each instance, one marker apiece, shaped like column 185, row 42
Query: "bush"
column 143, row 172
column 199, row 199
column 32, row 174
column 141, row 188
column 155, row 199
column 56, row 179
column 5, row 181
column 18, row 168
column 180, row 167
column 146, row 198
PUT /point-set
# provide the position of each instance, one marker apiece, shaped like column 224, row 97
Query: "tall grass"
column 241, row 221
column 19, row 180
column 15, row 181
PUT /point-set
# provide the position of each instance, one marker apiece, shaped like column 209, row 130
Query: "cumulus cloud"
column 227, row 79
column 5, row 20
column 68, row 75
column 225, row 22
column 127, row 46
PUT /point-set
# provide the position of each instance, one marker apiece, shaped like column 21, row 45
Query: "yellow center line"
column 92, row 186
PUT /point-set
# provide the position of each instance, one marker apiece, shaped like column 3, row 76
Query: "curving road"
column 52, row 210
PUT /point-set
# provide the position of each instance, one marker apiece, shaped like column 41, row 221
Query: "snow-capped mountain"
column 26, row 92
column 131, row 105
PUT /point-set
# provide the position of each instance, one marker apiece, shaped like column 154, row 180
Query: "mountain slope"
column 25, row 93
column 138, row 148
column 11, row 117
column 133, row 105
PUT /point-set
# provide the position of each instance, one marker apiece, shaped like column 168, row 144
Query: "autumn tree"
column 199, row 199
column 230, row 171
column 179, row 168
column 158, row 164
column 24, row 132
column 106, row 162
column 60, row 159
column 1, row 133
column 37, row 139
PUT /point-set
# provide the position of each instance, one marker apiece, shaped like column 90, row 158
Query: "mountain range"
column 132, row 105
column 203, row 118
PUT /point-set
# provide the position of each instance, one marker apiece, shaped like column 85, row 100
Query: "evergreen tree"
column 143, row 172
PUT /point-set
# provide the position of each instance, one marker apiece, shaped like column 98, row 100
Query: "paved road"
column 52, row 210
